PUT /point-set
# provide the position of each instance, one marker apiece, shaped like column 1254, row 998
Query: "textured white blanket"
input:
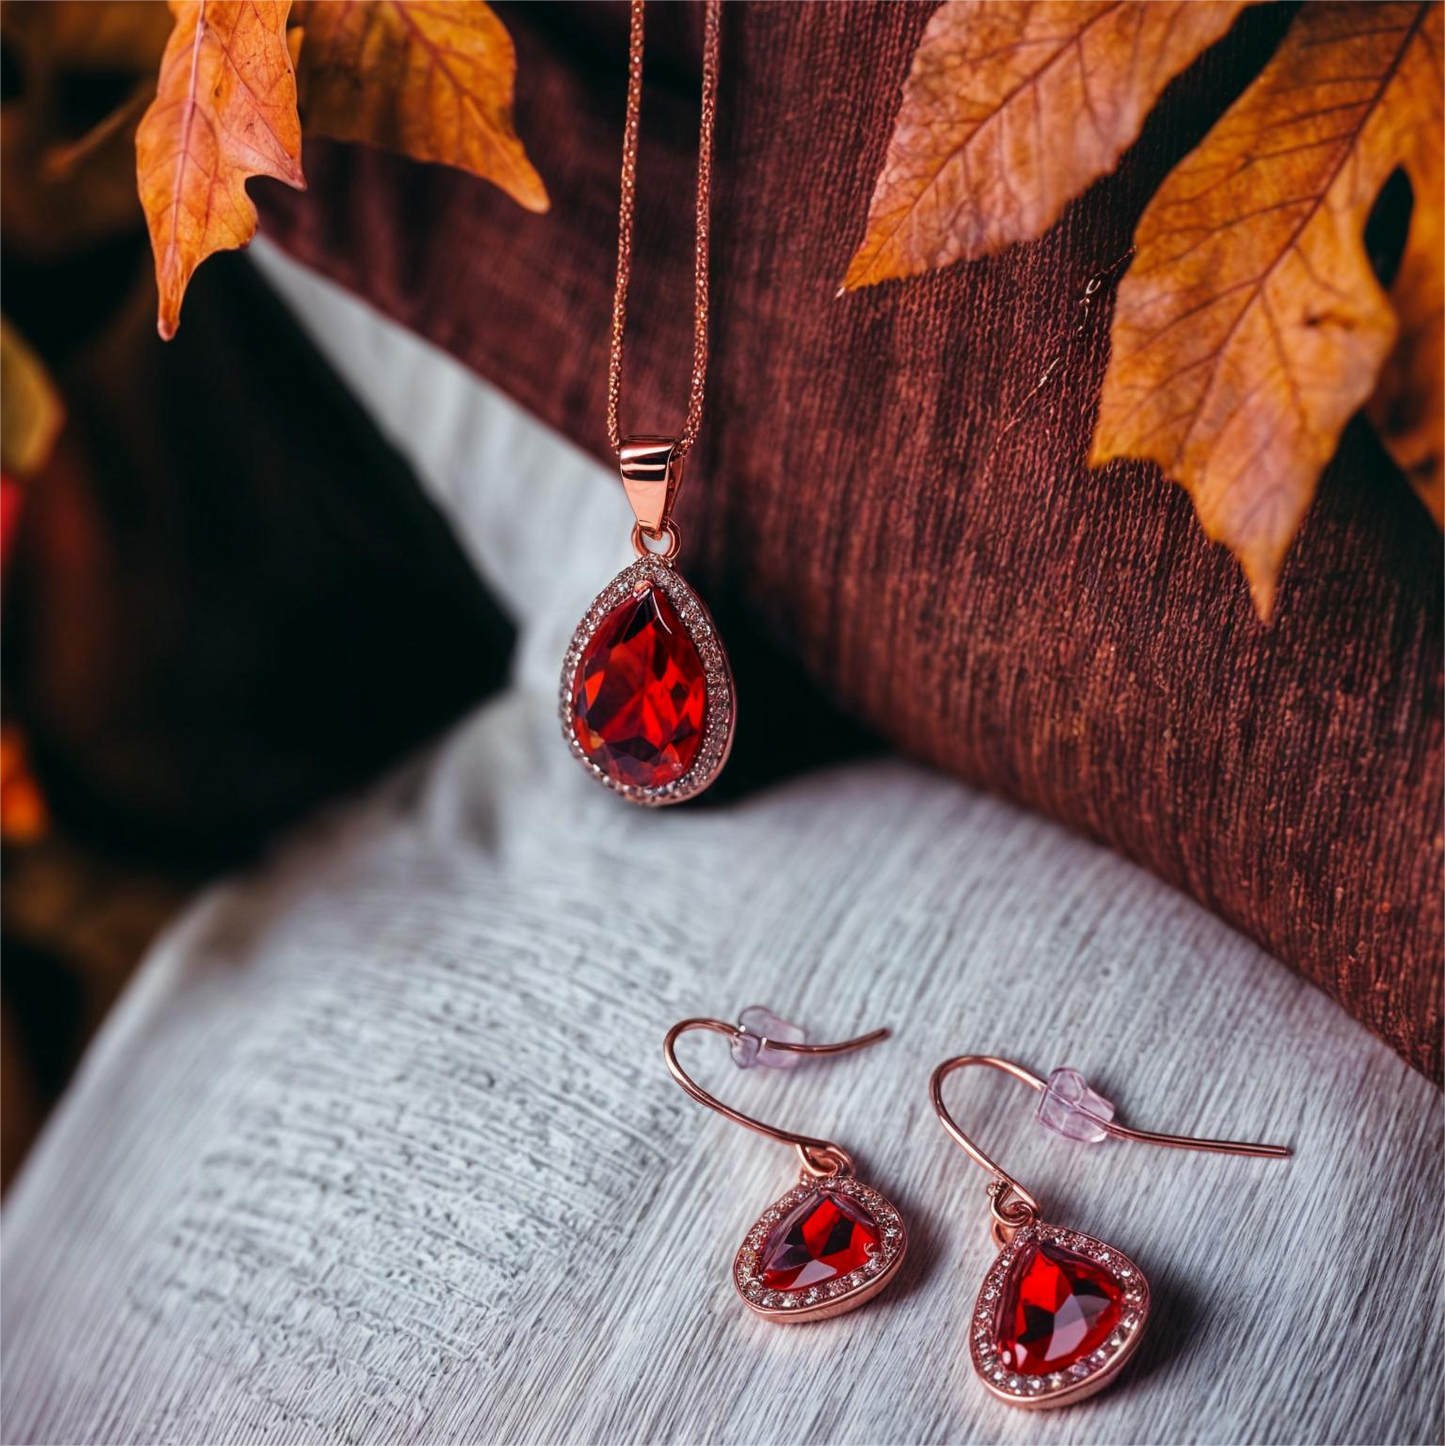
column 379, row 1148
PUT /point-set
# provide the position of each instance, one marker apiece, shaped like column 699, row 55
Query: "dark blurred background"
column 225, row 596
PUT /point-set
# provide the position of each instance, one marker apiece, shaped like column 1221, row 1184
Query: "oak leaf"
column 225, row 110
column 1250, row 327
column 1011, row 110
column 30, row 408
column 431, row 78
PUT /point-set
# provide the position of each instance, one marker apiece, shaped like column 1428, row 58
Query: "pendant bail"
column 652, row 474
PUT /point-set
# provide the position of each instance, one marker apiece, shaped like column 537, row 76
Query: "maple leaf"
column 30, row 408
column 225, row 110
column 435, row 80
column 431, row 78
column 1250, row 327
column 1011, row 110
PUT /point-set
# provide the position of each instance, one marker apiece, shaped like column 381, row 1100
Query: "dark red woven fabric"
column 901, row 512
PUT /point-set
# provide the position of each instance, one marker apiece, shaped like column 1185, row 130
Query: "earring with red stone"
column 1059, row 1312
column 829, row 1243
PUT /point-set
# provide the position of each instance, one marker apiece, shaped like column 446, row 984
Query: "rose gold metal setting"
column 1016, row 1221
column 826, row 1166
column 1061, row 1388
column 651, row 475
column 720, row 714
column 664, row 554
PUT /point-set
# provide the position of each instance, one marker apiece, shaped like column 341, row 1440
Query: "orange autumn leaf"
column 1250, row 327
column 431, row 78
column 225, row 110
column 1011, row 110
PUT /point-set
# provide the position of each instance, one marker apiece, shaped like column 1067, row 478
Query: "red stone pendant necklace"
column 1059, row 1312
column 647, row 699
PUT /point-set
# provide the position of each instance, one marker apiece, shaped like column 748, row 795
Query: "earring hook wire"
column 820, row 1157
column 1012, row 1205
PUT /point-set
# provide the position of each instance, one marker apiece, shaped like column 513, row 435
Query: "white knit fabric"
column 379, row 1146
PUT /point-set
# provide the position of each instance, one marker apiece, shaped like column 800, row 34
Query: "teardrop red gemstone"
column 826, row 1236
column 1057, row 1307
column 639, row 695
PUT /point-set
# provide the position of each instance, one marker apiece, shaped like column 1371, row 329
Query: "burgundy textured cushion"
column 883, row 493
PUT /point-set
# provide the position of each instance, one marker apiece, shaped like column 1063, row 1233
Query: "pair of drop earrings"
column 1059, row 1312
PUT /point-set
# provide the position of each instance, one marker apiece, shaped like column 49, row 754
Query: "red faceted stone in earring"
column 640, row 693
column 823, row 1238
column 1057, row 1306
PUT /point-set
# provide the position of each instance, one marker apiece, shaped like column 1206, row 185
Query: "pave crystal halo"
column 646, row 699
column 1057, row 1316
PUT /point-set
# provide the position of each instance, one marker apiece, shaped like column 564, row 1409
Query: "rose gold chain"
column 625, row 214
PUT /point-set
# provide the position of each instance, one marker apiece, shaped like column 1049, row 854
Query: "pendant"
column 1057, row 1316
column 646, row 699
column 825, row 1247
